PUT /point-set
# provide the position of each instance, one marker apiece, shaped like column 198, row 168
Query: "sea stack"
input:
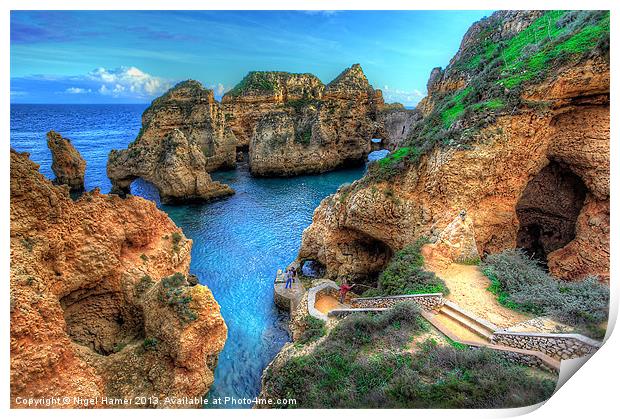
column 183, row 138
column 293, row 124
column 67, row 163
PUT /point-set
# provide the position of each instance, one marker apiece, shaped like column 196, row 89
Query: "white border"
column 592, row 392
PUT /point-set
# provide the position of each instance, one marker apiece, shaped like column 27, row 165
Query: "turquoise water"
column 239, row 242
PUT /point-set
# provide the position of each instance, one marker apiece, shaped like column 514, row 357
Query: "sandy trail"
column 468, row 288
column 325, row 303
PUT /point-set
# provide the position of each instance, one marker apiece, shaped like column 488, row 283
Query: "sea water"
column 239, row 242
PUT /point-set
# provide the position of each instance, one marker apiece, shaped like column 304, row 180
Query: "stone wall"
column 426, row 301
column 558, row 346
column 327, row 287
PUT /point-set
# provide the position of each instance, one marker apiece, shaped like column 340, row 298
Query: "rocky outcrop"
column 100, row 299
column 293, row 124
column 457, row 242
column 183, row 137
column 262, row 92
column 395, row 124
column 511, row 142
column 67, row 163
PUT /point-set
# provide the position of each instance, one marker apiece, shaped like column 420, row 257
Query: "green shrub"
column 355, row 367
column 520, row 283
column 176, row 239
column 392, row 164
column 149, row 344
column 174, row 292
column 405, row 275
column 313, row 329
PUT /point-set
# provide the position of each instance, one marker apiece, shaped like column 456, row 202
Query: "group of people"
column 291, row 276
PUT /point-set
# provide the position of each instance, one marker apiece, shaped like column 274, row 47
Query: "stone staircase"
column 456, row 315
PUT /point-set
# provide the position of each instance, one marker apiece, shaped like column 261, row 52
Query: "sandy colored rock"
column 457, row 242
column 370, row 220
column 67, row 163
column 183, row 137
column 293, row 124
column 95, row 307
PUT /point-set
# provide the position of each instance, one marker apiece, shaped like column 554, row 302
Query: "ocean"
column 239, row 242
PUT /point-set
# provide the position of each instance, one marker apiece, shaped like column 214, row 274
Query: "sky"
column 135, row 56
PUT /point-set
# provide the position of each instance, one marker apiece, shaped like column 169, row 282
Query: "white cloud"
column 128, row 82
column 406, row 97
column 218, row 89
column 77, row 90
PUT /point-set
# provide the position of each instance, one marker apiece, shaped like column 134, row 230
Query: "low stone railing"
column 556, row 345
column 326, row 288
column 426, row 301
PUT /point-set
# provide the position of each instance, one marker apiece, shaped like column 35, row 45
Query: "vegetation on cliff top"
column 175, row 293
column 497, row 70
column 364, row 362
column 405, row 275
column 521, row 284
column 264, row 82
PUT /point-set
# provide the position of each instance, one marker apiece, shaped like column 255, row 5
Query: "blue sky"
column 134, row 56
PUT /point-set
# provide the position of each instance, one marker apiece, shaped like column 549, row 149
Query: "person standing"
column 343, row 290
column 289, row 279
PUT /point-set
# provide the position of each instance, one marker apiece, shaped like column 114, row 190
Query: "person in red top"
column 344, row 289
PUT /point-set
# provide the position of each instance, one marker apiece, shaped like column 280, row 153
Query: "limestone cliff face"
column 262, row 92
column 522, row 146
column 100, row 301
column 310, row 128
column 395, row 124
column 67, row 163
column 183, row 137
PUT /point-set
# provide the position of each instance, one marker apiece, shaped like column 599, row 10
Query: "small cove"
column 239, row 242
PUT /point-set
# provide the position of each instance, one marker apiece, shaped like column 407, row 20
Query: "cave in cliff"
column 101, row 320
column 548, row 210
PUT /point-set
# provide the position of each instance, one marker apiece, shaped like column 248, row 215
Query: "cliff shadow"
column 548, row 210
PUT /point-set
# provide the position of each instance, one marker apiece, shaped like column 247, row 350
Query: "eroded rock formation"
column 67, row 163
column 395, row 123
column 262, row 92
column 183, row 137
column 100, row 299
column 294, row 124
column 508, row 146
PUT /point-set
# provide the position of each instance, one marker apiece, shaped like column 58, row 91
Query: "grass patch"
column 257, row 81
column 456, row 107
column 392, row 164
column 314, row 329
column 521, row 284
column 355, row 367
column 405, row 275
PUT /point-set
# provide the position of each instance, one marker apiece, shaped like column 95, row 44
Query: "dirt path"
column 468, row 288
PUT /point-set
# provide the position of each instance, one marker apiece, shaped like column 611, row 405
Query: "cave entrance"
column 101, row 320
column 548, row 210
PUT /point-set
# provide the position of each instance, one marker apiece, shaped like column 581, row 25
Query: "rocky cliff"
column 100, row 302
column 294, row 124
column 262, row 92
column 183, row 137
column 395, row 124
column 67, row 163
column 515, row 131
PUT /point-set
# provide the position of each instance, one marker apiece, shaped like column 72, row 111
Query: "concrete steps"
column 480, row 327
